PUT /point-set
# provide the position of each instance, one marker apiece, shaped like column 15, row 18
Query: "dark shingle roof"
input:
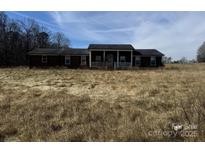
column 111, row 46
column 48, row 51
column 80, row 51
column 44, row 51
column 149, row 52
column 74, row 51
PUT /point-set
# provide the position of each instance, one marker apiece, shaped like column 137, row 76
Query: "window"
column 83, row 60
column 98, row 58
column 44, row 59
column 67, row 60
column 122, row 59
column 137, row 61
column 153, row 61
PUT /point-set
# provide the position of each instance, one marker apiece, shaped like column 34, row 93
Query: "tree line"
column 200, row 57
column 201, row 53
column 183, row 60
column 17, row 38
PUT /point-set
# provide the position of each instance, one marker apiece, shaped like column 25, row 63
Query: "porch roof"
column 111, row 46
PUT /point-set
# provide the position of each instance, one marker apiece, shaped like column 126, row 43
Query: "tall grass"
column 94, row 105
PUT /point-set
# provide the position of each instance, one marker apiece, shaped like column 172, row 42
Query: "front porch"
column 111, row 59
column 110, row 65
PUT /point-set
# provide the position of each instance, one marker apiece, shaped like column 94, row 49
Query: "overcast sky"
column 176, row 34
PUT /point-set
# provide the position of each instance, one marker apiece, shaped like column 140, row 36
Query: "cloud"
column 22, row 17
column 181, row 37
column 176, row 34
column 94, row 27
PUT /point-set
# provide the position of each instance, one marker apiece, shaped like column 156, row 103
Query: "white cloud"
column 100, row 27
column 176, row 34
column 180, row 38
column 21, row 16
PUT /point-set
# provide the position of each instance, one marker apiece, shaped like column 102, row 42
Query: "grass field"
column 96, row 105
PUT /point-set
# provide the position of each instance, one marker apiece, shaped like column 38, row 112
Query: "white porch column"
column 131, row 58
column 117, row 58
column 90, row 62
column 104, row 56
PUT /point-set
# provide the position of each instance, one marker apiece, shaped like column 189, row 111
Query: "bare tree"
column 31, row 30
column 201, row 53
column 60, row 40
column 183, row 60
column 167, row 60
column 13, row 26
column 43, row 40
column 3, row 24
column 19, row 37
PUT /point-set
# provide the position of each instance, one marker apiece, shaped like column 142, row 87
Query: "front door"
column 110, row 61
column 75, row 61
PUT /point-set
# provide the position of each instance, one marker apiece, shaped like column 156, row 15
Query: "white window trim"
column 124, row 59
column 67, row 57
column 83, row 60
column 44, row 59
column 99, row 59
column 154, row 61
column 139, row 59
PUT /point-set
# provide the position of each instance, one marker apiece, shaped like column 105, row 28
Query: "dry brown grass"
column 94, row 105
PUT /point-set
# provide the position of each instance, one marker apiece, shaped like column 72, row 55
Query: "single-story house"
column 106, row 56
column 72, row 58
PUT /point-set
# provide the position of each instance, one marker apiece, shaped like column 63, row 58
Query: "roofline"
column 42, row 54
column 111, row 49
column 151, row 49
column 110, row 45
column 59, row 55
column 60, row 51
column 76, row 48
column 74, row 54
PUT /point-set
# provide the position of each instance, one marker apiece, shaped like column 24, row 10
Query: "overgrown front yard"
column 94, row 105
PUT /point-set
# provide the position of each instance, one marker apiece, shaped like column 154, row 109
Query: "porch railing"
column 124, row 64
column 97, row 64
column 108, row 64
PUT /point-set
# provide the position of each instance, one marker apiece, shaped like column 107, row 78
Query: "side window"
column 83, row 60
column 44, row 59
column 153, row 61
column 98, row 58
column 67, row 60
column 122, row 59
column 137, row 61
